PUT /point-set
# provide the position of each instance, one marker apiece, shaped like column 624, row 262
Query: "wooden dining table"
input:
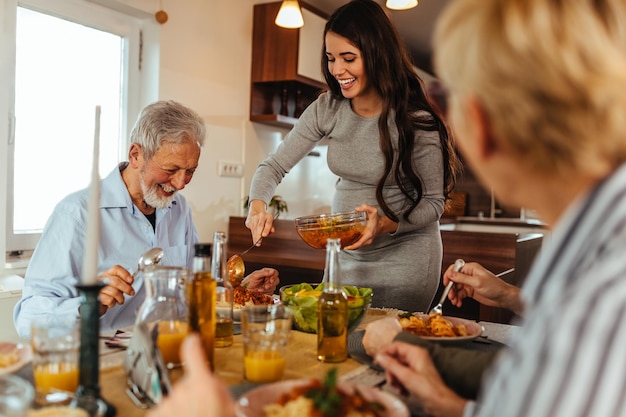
column 301, row 362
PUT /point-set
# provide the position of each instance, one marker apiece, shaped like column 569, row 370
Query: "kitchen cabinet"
column 286, row 75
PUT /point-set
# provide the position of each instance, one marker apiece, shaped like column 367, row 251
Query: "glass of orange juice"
column 55, row 361
column 265, row 331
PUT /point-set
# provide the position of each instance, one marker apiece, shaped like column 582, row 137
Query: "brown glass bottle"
column 332, row 311
column 201, row 300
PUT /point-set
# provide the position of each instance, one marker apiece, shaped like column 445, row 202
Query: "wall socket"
column 229, row 169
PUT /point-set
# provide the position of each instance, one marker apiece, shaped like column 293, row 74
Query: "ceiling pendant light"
column 401, row 4
column 289, row 16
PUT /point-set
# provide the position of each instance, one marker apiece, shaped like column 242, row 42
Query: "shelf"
column 274, row 120
column 269, row 99
column 285, row 75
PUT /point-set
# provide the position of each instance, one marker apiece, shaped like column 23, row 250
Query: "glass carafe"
column 165, row 308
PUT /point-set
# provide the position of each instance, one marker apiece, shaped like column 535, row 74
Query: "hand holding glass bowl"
column 302, row 300
column 315, row 230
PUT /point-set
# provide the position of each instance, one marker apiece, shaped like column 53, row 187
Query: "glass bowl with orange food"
column 316, row 229
column 302, row 300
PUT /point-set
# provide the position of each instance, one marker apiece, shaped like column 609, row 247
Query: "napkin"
column 121, row 339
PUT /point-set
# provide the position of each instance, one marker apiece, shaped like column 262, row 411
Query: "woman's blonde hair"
column 550, row 74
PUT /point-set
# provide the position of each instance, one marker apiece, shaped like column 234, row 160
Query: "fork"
column 438, row 309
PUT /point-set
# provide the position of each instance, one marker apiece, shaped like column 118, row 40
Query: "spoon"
column 438, row 309
column 150, row 257
column 236, row 266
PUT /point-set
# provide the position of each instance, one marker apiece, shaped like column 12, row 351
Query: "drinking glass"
column 55, row 361
column 16, row 396
column 265, row 332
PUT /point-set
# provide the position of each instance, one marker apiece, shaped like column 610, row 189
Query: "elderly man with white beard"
column 140, row 208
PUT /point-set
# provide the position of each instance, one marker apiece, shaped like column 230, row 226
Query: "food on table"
column 9, row 356
column 431, row 326
column 316, row 230
column 302, row 301
column 323, row 399
column 244, row 297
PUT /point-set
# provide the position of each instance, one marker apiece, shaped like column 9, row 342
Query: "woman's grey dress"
column 404, row 267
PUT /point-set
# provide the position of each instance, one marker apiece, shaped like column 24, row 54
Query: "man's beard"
column 151, row 196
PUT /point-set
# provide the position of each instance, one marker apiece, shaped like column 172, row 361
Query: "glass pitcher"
column 165, row 308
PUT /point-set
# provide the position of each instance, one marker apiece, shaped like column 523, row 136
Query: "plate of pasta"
column 440, row 328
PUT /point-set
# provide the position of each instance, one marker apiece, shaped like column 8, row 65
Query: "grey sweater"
column 403, row 267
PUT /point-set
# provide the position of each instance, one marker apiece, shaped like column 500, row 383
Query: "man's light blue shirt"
column 50, row 293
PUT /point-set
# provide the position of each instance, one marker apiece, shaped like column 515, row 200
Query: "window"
column 69, row 57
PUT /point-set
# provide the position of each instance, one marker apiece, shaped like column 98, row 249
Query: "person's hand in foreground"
column 476, row 282
column 262, row 280
column 410, row 369
column 118, row 282
column 199, row 393
column 379, row 334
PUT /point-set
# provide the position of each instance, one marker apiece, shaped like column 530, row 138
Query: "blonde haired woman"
column 537, row 101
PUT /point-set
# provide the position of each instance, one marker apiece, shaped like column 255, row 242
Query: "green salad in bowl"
column 302, row 300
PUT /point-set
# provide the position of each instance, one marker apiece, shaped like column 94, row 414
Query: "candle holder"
column 88, row 393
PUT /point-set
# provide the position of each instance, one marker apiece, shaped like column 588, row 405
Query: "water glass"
column 265, row 332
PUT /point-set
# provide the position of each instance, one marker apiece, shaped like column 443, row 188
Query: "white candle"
column 90, row 259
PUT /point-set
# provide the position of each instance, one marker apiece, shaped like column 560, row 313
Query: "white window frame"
column 140, row 33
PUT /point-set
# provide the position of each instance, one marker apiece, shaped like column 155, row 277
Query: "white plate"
column 24, row 355
column 251, row 403
column 473, row 329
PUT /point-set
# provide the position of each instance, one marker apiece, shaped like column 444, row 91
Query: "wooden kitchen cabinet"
column 286, row 75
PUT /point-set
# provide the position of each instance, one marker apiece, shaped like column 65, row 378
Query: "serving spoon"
column 438, row 309
column 150, row 257
column 236, row 266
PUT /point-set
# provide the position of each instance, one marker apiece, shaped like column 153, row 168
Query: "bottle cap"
column 203, row 249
